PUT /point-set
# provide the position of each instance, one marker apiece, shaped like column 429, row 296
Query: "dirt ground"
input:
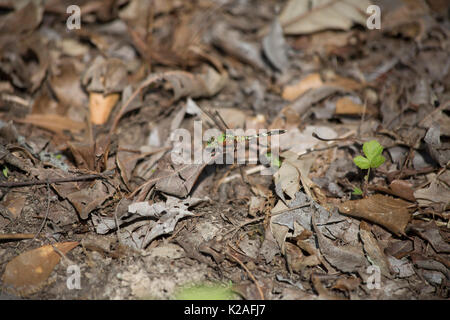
column 349, row 199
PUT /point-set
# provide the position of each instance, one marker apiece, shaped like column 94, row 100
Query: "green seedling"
column 357, row 191
column 5, row 171
column 373, row 159
column 276, row 162
column 206, row 292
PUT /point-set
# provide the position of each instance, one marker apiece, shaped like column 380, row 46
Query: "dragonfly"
column 224, row 140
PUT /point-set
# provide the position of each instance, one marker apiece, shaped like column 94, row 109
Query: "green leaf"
column 206, row 292
column 357, row 191
column 372, row 149
column 362, row 162
column 5, row 171
column 276, row 162
column 377, row 161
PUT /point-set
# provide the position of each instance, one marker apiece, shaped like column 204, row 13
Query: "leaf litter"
column 86, row 152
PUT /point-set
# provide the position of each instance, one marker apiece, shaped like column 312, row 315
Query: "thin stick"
column 235, row 229
column 46, row 213
column 261, row 294
column 50, row 181
column 16, row 236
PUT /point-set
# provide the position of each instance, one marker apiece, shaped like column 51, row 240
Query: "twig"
column 50, row 181
column 261, row 294
column 46, row 213
column 16, row 236
column 235, row 229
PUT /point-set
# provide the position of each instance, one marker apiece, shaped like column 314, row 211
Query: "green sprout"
column 357, row 191
column 373, row 159
column 276, row 162
column 5, row 171
column 206, row 292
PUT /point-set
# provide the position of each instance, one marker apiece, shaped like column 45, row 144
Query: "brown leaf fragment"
column 89, row 199
column 402, row 189
column 324, row 293
column 400, row 248
column 374, row 252
column 430, row 232
column 53, row 122
column 345, row 258
column 233, row 44
column 24, row 19
column 297, row 262
column 427, row 263
column 105, row 76
column 347, row 284
column 383, row 210
column 26, row 273
column 438, row 193
column 175, row 179
column 100, row 106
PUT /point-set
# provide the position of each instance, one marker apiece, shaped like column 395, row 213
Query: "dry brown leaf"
column 300, row 17
column 53, row 122
column 402, row 189
column 346, row 106
column 26, row 273
column 345, row 258
column 386, row 211
column 294, row 91
column 101, row 106
column 25, row 19
column 313, row 82
column 373, row 250
column 106, row 76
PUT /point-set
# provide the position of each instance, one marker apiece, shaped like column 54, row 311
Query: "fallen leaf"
column 232, row 43
column 274, row 46
column 100, row 106
column 430, row 232
column 300, row 17
column 287, row 179
column 345, row 258
column 294, row 91
column 346, row 106
column 53, row 122
column 438, row 193
column 374, row 252
column 386, row 211
column 26, row 273
column 105, row 76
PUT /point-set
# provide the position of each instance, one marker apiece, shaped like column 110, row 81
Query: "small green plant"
column 373, row 159
column 276, row 162
column 357, row 191
column 5, row 171
column 206, row 292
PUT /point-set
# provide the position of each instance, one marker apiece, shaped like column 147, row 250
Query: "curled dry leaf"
column 314, row 81
column 345, row 258
column 291, row 92
column 53, row 122
column 373, row 250
column 105, row 76
column 232, row 43
column 205, row 84
column 26, row 273
column 347, row 106
column 383, row 210
column 274, row 46
column 430, row 232
column 100, row 106
column 300, row 17
column 287, row 179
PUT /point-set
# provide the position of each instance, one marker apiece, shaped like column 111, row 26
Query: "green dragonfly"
column 223, row 141
column 227, row 138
